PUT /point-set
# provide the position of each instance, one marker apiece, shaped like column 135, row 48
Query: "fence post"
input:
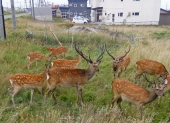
column 2, row 24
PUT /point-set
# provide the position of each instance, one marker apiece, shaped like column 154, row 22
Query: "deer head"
column 92, row 64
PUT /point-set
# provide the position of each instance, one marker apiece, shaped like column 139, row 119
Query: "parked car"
column 84, row 18
column 79, row 20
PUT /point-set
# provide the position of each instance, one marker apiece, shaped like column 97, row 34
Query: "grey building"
column 75, row 7
column 164, row 18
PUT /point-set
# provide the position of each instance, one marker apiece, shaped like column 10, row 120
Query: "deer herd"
column 64, row 73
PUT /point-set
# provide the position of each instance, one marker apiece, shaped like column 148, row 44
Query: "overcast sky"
column 165, row 4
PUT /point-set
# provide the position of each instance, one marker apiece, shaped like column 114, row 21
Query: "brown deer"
column 34, row 57
column 63, row 63
column 31, row 81
column 127, row 91
column 150, row 67
column 120, row 63
column 166, row 81
column 73, row 77
column 55, row 52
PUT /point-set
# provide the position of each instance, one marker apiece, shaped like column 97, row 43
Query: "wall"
column 42, row 13
column 148, row 10
column 164, row 19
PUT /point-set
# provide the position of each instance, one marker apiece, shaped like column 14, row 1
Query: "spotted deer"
column 120, row 63
column 64, row 63
column 124, row 90
column 27, row 81
column 151, row 67
column 35, row 57
column 55, row 52
column 166, row 81
column 73, row 77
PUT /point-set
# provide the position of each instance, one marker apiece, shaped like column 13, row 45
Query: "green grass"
column 97, row 93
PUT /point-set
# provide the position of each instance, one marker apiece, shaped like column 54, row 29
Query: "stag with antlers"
column 73, row 77
column 120, row 63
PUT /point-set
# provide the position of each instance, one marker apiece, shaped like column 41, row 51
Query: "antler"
column 109, row 53
column 101, row 55
column 81, row 53
column 125, row 53
column 144, row 75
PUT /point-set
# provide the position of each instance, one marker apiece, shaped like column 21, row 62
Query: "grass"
column 97, row 92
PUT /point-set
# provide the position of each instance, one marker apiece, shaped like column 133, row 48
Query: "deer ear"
column 153, row 86
column 121, row 59
column 99, row 62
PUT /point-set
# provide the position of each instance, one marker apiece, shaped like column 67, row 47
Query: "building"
column 75, row 7
column 79, row 8
column 139, row 12
column 164, row 17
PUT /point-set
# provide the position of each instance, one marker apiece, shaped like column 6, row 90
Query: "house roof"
column 164, row 12
column 97, row 8
column 55, row 6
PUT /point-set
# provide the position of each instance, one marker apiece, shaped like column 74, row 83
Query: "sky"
column 165, row 4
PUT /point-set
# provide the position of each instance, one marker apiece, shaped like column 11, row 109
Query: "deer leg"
column 63, row 55
column 13, row 91
column 40, row 89
column 139, row 114
column 48, row 90
column 55, row 100
column 79, row 96
column 115, row 98
column 36, row 63
column 32, row 92
column 119, row 73
column 119, row 103
column 28, row 66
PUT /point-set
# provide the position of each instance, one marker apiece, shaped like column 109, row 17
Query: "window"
column 113, row 17
column 82, row 5
column 75, row 13
column 135, row 13
column 75, row 5
column 64, row 14
column 120, row 14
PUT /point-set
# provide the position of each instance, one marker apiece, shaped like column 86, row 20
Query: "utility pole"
column 2, row 24
column 13, row 14
column 32, row 11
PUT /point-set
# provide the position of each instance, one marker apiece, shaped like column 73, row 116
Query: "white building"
column 137, row 12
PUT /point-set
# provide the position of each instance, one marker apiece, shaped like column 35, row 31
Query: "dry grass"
column 97, row 92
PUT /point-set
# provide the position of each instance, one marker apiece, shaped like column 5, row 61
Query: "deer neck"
column 90, row 72
column 44, row 74
column 78, row 59
column 151, row 97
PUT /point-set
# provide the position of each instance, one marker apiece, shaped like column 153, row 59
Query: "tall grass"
column 97, row 92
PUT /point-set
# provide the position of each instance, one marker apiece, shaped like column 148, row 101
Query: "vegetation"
column 97, row 93
column 16, row 12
